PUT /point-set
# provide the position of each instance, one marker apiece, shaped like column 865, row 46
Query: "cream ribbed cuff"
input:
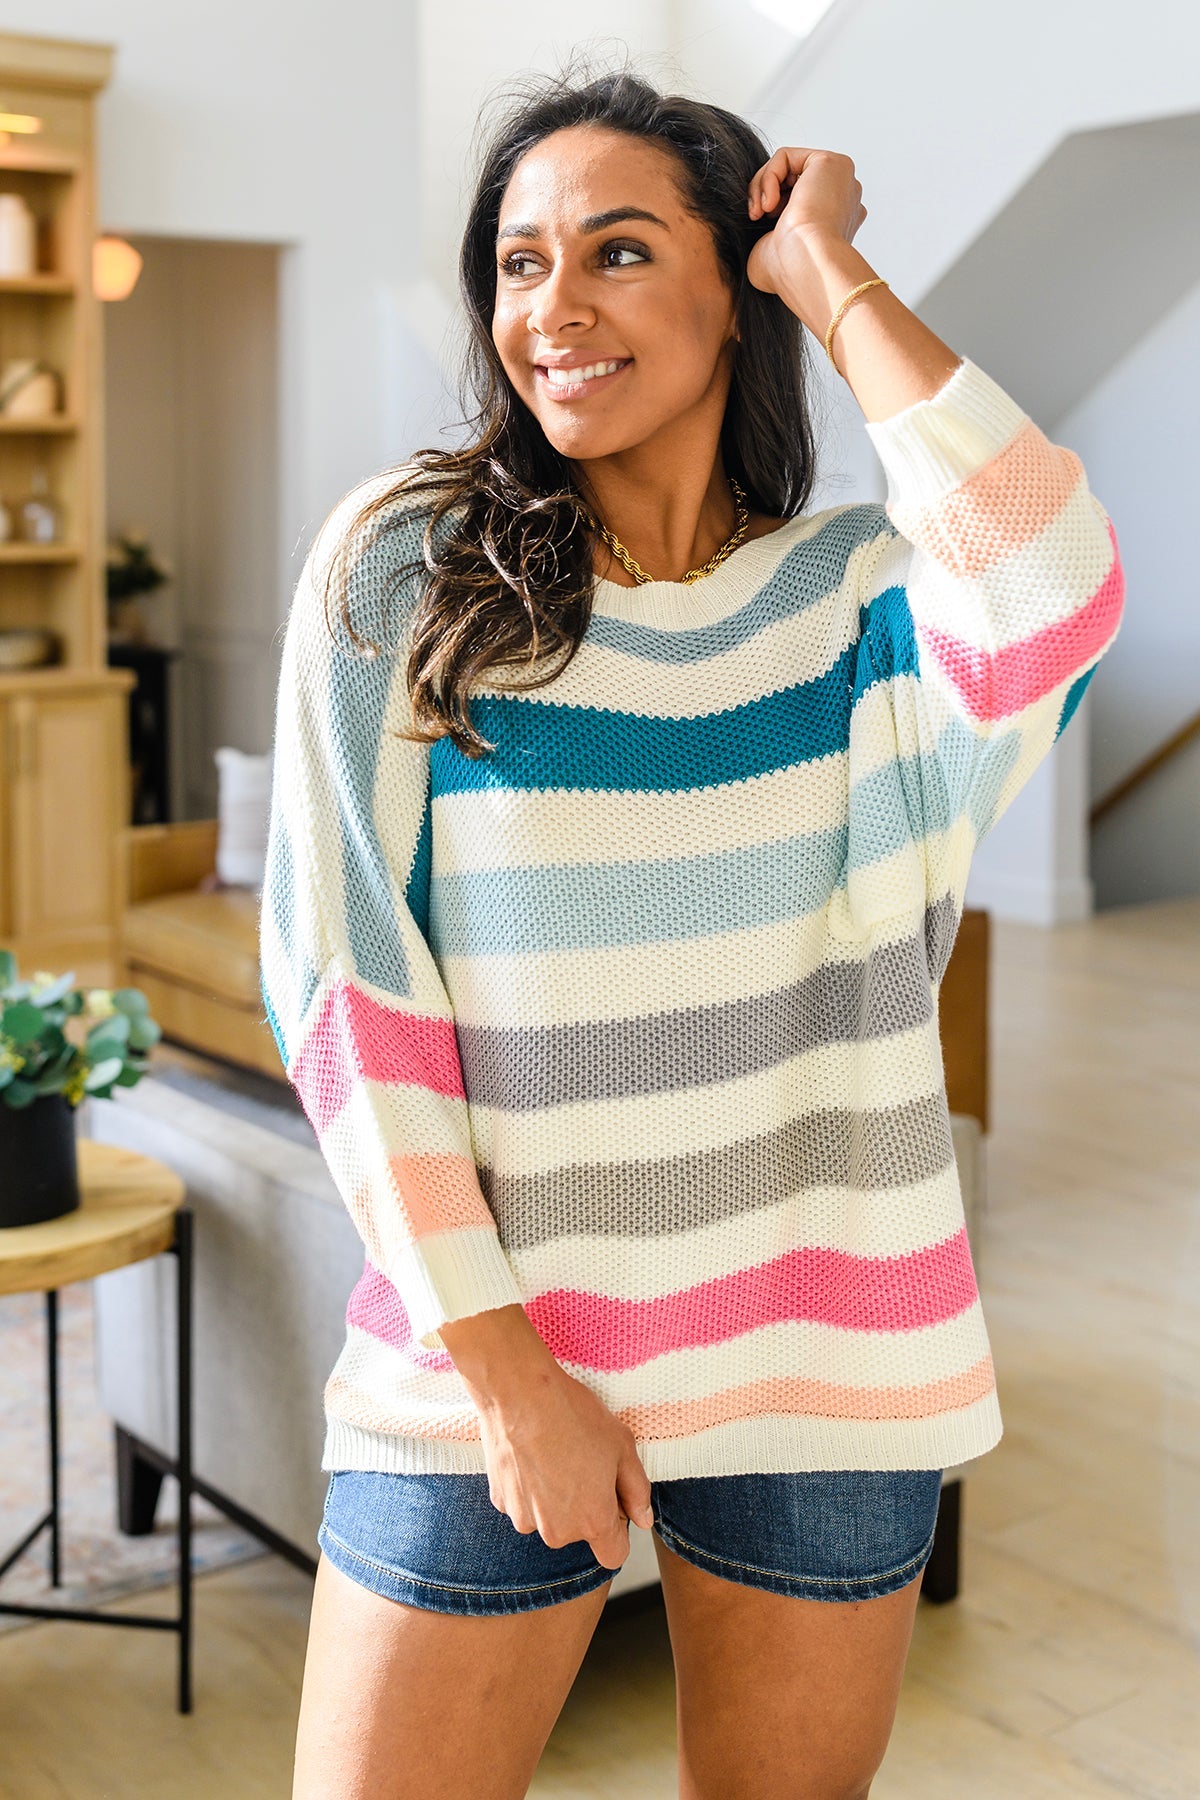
column 933, row 445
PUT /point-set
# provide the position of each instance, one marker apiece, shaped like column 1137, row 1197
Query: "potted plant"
column 58, row 1042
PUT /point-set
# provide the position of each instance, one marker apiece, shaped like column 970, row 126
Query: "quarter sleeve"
column 363, row 1022
column 994, row 590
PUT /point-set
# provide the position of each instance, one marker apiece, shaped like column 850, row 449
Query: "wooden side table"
column 132, row 1208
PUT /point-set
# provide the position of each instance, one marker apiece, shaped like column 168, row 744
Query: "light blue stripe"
column 279, row 907
column 359, row 689
column 805, row 576
column 600, row 906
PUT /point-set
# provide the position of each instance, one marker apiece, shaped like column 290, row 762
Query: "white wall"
column 294, row 125
column 1137, row 434
column 192, row 459
column 950, row 112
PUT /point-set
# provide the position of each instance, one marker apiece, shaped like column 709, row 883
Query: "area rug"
column 98, row 1563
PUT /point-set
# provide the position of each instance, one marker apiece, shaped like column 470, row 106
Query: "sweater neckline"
column 678, row 605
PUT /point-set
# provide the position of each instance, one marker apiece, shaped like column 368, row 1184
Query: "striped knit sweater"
column 633, row 1021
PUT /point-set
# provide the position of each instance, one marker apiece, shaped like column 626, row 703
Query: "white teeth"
column 575, row 377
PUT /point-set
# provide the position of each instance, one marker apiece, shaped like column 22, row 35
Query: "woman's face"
column 600, row 263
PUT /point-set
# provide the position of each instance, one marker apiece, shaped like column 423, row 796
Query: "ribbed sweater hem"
column 772, row 1444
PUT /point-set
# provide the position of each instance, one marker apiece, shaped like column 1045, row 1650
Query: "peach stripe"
column 976, row 525
column 812, row 1399
column 993, row 686
column 780, row 1397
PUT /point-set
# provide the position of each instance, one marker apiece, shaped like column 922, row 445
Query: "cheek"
column 508, row 334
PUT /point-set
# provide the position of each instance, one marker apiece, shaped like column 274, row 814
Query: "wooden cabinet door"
column 65, row 754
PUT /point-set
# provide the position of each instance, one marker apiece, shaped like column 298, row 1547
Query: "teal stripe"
column 1074, row 695
column 416, row 894
column 543, row 746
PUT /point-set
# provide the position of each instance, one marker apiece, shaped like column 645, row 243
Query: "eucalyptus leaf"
column 50, row 996
column 8, row 968
column 130, row 1000
column 114, row 1030
column 20, row 1093
column 102, row 1073
column 143, row 1033
column 21, row 1022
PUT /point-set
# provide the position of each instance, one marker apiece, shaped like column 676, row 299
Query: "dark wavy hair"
column 508, row 545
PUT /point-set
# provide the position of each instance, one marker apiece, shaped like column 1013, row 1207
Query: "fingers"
column 633, row 1489
column 766, row 189
column 610, row 1548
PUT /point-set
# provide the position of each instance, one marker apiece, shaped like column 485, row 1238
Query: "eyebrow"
column 592, row 222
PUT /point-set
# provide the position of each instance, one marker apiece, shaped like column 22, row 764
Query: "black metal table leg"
column 182, row 1249
column 52, row 1409
column 181, row 1624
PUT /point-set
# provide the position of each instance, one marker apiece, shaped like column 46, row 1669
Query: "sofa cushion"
column 206, row 941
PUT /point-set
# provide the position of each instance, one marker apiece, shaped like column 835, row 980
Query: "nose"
column 558, row 304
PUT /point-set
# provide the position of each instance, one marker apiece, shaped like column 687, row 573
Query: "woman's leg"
column 400, row 1703
column 780, row 1698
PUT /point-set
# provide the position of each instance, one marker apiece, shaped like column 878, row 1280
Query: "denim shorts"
column 436, row 1541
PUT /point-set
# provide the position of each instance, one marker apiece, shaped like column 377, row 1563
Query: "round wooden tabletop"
column 126, row 1213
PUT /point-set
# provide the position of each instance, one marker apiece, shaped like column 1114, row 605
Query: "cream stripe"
column 638, row 980
column 393, row 1384
column 814, row 1351
column 495, row 827
column 792, row 648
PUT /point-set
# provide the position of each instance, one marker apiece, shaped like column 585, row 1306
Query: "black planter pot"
column 39, row 1175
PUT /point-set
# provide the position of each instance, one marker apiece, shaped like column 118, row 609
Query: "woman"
column 612, row 995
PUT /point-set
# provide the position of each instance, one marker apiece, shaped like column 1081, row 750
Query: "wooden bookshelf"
column 64, row 773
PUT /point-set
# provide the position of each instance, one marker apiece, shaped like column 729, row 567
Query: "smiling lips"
column 572, row 384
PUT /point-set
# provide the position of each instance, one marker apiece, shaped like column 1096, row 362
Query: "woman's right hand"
column 558, row 1461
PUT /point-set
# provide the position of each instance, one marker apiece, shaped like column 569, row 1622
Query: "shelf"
column 14, row 161
column 36, row 284
column 38, row 553
column 52, row 678
column 51, row 425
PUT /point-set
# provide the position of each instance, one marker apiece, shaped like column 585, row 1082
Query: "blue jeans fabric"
column 436, row 1541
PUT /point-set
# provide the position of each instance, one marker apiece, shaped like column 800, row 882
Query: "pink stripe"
column 356, row 1038
column 994, row 686
column 830, row 1287
column 376, row 1307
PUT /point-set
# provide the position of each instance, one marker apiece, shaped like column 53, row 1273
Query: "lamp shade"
column 116, row 266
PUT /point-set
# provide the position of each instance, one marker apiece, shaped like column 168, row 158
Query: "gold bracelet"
column 876, row 281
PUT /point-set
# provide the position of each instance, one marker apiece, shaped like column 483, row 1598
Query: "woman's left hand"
column 815, row 195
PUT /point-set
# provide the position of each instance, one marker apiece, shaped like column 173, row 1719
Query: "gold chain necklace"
column 715, row 560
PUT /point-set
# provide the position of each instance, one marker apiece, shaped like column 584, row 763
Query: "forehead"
column 585, row 169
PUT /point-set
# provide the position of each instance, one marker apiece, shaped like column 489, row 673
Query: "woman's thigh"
column 401, row 1702
column 442, row 1642
column 779, row 1692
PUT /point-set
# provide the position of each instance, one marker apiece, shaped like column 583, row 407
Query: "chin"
column 584, row 440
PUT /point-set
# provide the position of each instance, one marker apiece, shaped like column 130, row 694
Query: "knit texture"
column 633, row 1021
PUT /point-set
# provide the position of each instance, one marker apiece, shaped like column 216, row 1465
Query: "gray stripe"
column 844, row 1147
column 613, row 1059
